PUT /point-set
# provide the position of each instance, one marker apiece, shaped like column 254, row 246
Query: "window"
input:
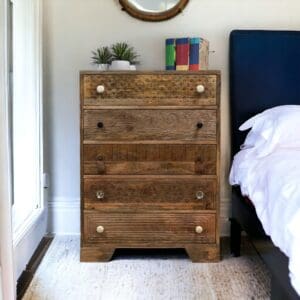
column 26, row 115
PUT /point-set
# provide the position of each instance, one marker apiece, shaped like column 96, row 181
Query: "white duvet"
column 273, row 184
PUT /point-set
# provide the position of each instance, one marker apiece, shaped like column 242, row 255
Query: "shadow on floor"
column 246, row 248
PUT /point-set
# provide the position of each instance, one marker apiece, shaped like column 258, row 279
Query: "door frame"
column 6, row 243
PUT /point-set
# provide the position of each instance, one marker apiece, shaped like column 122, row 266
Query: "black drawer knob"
column 100, row 125
column 199, row 125
column 99, row 157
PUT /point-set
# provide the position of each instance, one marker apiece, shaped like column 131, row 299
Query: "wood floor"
column 136, row 275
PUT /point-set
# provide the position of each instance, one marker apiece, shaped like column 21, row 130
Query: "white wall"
column 74, row 27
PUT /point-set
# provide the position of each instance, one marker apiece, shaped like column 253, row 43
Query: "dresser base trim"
column 197, row 253
column 203, row 253
column 96, row 254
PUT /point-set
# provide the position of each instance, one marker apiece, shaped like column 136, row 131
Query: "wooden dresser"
column 150, row 162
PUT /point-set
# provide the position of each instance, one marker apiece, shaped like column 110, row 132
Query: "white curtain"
column 7, row 285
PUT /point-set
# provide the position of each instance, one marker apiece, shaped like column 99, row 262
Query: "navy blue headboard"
column 264, row 72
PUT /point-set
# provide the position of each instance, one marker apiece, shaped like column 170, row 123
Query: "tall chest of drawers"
column 150, row 162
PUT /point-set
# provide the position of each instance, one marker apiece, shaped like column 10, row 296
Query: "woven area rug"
column 138, row 275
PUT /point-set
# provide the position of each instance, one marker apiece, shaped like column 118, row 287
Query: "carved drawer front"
column 180, row 192
column 129, row 229
column 138, row 159
column 149, row 125
column 147, row 89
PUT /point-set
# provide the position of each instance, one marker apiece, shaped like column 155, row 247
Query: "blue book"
column 194, row 54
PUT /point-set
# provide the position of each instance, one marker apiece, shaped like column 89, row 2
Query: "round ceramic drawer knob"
column 100, row 89
column 100, row 195
column 200, row 88
column 199, row 195
column 199, row 229
column 100, row 229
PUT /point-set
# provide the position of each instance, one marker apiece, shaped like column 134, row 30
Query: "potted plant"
column 102, row 57
column 123, row 57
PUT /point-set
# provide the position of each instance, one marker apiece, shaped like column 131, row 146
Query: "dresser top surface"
column 204, row 72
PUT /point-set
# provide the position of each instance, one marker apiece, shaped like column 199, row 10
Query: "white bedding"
column 273, row 184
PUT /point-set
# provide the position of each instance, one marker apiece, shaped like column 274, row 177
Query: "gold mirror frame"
column 153, row 17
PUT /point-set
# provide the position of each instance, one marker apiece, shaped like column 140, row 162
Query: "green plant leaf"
column 102, row 55
column 122, row 51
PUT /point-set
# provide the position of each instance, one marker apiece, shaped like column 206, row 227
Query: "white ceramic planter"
column 102, row 67
column 120, row 65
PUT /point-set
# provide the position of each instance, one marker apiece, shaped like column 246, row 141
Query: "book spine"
column 182, row 54
column 194, row 54
column 204, row 54
column 170, row 54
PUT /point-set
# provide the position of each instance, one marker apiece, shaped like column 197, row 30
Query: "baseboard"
column 25, row 247
column 27, row 275
column 225, row 209
column 64, row 216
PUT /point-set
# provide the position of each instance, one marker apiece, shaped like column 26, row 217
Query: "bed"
column 264, row 73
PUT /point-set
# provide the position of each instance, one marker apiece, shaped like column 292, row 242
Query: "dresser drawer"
column 138, row 228
column 149, row 89
column 138, row 159
column 149, row 125
column 160, row 192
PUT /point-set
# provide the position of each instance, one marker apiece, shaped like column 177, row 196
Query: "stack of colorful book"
column 185, row 54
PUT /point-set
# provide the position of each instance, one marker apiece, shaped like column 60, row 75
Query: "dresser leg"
column 203, row 253
column 96, row 254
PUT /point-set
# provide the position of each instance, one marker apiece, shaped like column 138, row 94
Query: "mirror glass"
column 153, row 6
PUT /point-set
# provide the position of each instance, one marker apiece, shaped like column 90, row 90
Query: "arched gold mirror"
column 153, row 10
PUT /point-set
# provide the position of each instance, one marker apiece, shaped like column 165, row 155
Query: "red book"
column 182, row 54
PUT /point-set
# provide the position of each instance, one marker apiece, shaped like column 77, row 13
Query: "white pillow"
column 274, row 128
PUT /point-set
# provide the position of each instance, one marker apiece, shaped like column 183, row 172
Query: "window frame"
column 35, row 8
